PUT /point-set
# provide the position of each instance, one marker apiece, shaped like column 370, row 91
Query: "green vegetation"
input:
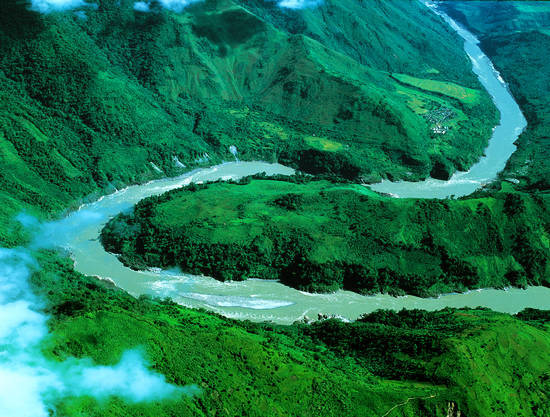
column 465, row 95
column 514, row 36
column 86, row 105
column 323, row 144
column 315, row 235
column 413, row 363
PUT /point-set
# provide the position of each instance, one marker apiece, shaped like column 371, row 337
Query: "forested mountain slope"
column 96, row 98
column 516, row 36
column 412, row 363
column 100, row 97
column 320, row 237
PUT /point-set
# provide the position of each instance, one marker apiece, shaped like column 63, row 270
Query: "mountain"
column 97, row 98
column 513, row 35
column 101, row 97
column 411, row 363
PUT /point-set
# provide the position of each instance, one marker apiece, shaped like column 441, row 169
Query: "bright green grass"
column 323, row 144
column 489, row 355
column 465, row 95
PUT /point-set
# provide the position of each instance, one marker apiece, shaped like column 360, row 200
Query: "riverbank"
column 512, row 120
column 501, row 145
column 271, row 301
column 335, row 368
column 320, row 236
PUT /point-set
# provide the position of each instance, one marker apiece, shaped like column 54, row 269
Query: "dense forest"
column 95, row 98
column 513, row 36
column 317, row 235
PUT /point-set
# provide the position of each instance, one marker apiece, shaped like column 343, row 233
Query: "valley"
column 318, row 236
column 361, row 242
column 141, row 88
column 118, row 119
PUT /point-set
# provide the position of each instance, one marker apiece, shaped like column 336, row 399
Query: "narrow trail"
column 406, row 402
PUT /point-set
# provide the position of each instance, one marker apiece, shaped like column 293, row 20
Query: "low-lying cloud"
column 179, row 5
column 142, row 6
column 174, row 5
column 129, row 379
column 299, row 4
column 48, row 6
column 29, row 383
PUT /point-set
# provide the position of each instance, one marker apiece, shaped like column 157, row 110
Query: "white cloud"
column 21, row 390
column 30, row 383
column 48, row 6
column 142, row 6
column 177, row 5
column 174, row 5
column 129, row 379
column 299, row 4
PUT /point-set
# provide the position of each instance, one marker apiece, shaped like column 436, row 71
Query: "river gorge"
column 259, row 300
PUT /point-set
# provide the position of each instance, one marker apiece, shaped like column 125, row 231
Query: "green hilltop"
column 321, row 236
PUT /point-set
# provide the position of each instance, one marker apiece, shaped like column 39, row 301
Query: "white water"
column 253, row 299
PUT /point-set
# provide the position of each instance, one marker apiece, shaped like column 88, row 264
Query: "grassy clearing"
column 323, row 144
column 463, row 94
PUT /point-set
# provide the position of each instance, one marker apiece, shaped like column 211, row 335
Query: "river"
column 260, row 300
column 501, row 145
column 255, row 300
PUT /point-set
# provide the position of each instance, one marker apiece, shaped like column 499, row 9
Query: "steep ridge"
column 81, row 112
column 514, row 34
column 114, row 96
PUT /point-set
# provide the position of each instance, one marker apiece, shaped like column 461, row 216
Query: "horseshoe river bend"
column 260, row 300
